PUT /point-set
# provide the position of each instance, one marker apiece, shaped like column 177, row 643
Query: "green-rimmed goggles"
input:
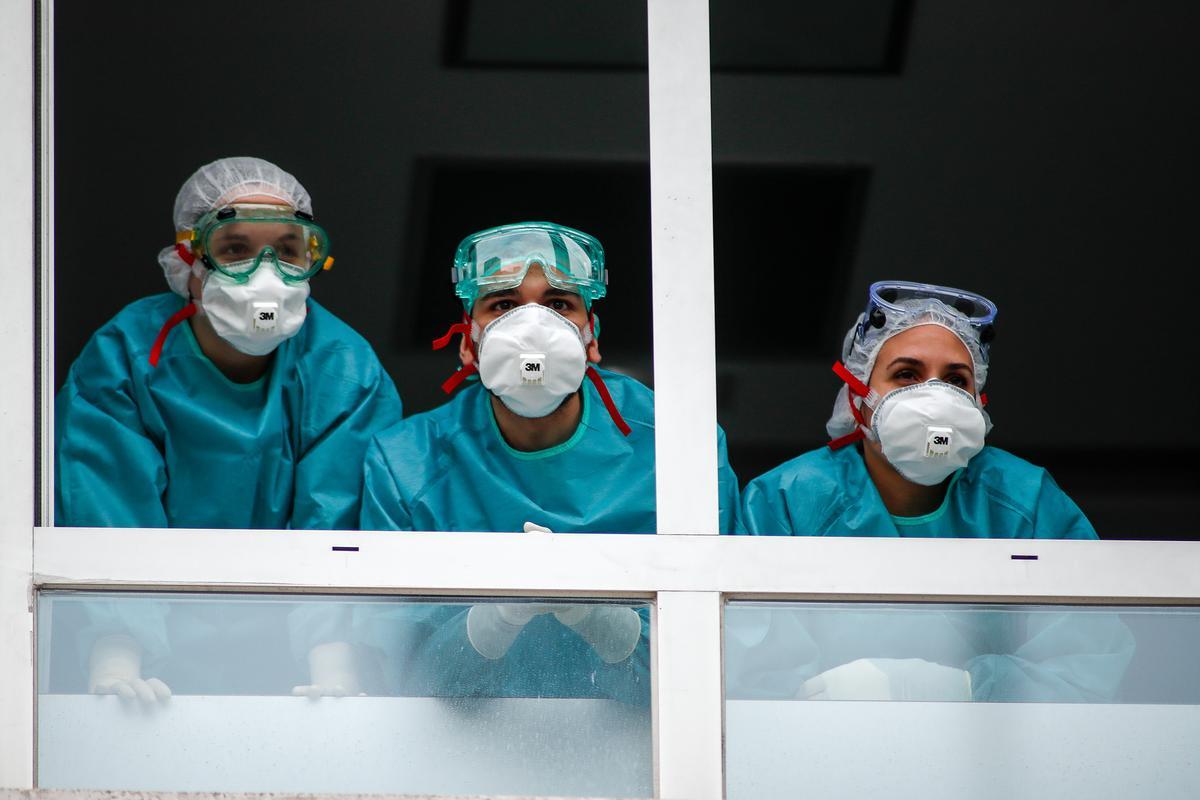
column 236, row 239
column 499, row 258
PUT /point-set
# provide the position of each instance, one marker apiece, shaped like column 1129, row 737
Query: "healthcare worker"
column 907, row 458
column 543, row 441
column 235, row 401
column 907, row 454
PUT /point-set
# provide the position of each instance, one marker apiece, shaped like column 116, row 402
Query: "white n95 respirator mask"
column 255, row 316
column 928, row 430
column 532, row 358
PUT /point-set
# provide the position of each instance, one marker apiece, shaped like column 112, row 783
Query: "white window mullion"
column 689, row 702
column 46, row 293
column 17, row 170
column 685, row 412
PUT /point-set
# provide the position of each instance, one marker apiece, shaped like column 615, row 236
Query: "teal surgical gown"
column 180, row 445
column 1011, row 656
column 450, row 470
column 829, row 493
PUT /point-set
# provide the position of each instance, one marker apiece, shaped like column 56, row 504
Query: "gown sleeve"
column 727, row 488
column 382, row 507
column 341, row 417
column 547, row 659
column 1062, row 658
column 109, row 472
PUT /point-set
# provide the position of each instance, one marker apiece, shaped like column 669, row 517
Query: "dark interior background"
column 1042, row 154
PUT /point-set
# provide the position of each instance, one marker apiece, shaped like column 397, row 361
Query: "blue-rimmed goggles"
column 887, row 298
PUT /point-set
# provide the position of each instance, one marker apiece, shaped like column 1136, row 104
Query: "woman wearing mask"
column 907, row 458
column 907, row 454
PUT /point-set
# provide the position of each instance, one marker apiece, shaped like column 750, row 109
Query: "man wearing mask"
column 545, row 441
column 235, row 402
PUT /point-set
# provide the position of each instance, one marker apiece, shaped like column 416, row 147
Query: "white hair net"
column 220, row 183
column 859, row 354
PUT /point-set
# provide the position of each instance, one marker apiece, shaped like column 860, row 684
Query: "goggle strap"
column 453, row 382
column 184, row 236
column 176, row 318
column 606, row 398
column 185, row 253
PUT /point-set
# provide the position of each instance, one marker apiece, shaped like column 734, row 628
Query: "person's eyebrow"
column 555, row 292
column 907, row 360
column 967, row 367
column 500, row 293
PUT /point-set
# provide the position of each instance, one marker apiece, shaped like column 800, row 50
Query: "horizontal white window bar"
column 621, row 565
column 143, row 794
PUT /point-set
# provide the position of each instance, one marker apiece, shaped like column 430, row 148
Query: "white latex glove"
column 889, row 679
column 115, row 667
column 612, row 631
column 533, row 527
column 332, row 671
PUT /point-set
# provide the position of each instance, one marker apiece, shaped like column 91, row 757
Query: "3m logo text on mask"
column 264, row 316
column 533, row 368
column 937, row 441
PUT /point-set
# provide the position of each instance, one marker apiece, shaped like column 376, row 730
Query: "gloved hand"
column 612, row 631
column 115, row 667
column 332, row 671
column 889, row 679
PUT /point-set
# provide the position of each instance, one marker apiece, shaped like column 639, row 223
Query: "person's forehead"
column 263, row 199
column 931, row 340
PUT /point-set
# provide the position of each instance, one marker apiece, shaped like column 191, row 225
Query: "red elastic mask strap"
column 176, row 318
column 850, row 438
column 188, row 256
column 858, row 387
column 463, row 327
column 854, row 411
column 598, row 382
column 983, row 399
column 452, row 383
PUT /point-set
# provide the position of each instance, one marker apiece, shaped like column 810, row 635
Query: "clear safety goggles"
column 499, row 258
column 236, row 239
column 888, row 298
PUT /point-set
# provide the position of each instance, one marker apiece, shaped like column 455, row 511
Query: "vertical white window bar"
column 17, row 408
column 688, row 700
column 685, row 418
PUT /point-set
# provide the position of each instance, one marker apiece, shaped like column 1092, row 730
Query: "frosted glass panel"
column 935, row 700
column 462, row 696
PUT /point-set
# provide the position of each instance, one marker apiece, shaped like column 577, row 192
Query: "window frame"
column 686, row 570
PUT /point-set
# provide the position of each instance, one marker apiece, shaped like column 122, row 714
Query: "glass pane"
column 289, row 693
column 927, row 701
column 421, row 125
column 1038, row 154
